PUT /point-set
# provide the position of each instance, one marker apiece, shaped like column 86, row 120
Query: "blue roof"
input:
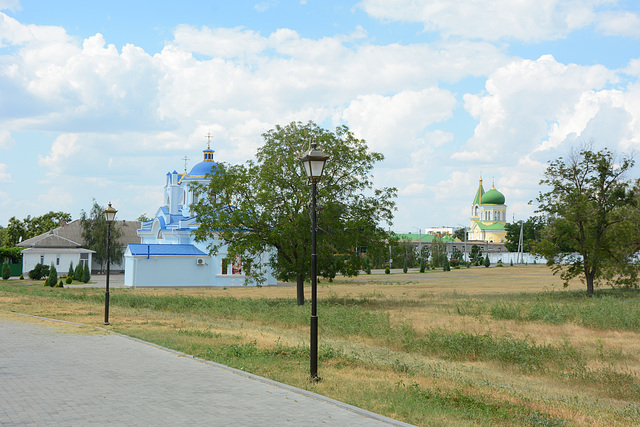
column 164, row 250
column 201, row 169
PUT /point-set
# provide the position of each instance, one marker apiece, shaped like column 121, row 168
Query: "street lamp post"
column 110, row 216
column 313, row 161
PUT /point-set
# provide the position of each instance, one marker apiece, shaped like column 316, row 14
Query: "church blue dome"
column 208, row 166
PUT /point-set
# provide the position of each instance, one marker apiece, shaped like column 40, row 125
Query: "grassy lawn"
column 506, row 346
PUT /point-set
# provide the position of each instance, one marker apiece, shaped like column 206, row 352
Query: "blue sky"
column 98, row 100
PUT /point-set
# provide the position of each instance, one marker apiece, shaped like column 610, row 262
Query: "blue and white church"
column 168, row 255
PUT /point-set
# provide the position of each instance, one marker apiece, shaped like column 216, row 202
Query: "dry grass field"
column 507, row 346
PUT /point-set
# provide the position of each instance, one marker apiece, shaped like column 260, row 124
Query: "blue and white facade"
column 168, row 255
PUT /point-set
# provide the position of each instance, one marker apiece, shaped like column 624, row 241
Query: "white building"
column 168, row 255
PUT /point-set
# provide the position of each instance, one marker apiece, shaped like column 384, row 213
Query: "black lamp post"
column 313, row 161
column 110, row 216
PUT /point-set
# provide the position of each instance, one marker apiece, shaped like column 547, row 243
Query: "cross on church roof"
column 185, row 163
column 209, row 140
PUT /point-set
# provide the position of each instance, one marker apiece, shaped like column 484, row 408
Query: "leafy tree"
column 592, row 211
column 94, row 233
column 456, row 257
column 264, row 205
column 6, row 270
column 475, row 254
column 531, row 233
column 460, row 234
column 13, row 254
column 18, row 230
column 143, row 218
column 438, row 251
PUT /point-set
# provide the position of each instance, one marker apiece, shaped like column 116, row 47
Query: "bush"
column 487, row 263
column 78, row 272
column 387, row 270
column 37, row 273
column 59, row 284
column 68, row 280
column 52, row 280
column 86, row 274
column 71, row 270
column 6, row 270
column 21, row 277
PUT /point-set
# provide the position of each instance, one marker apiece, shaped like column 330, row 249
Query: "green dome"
column 493, row 197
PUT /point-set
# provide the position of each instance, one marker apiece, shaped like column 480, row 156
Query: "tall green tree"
column 531, row 233
column 262, row 207
column 592, row 229
column 438, row 251
column 94, row 233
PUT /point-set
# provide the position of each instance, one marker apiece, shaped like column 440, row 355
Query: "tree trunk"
column 300, row 288
column 590, row 278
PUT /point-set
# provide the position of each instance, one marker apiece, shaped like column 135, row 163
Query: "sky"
column 99, row 100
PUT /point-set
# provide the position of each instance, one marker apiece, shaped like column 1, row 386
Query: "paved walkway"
column 48, row 377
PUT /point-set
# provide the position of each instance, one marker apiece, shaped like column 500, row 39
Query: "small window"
column 57, row 259
column 41, row 259
column 224, row 266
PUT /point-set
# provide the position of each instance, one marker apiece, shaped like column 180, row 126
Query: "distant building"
column 439, row 231
column 167, row 254
column 488, row 216
column 64, row 245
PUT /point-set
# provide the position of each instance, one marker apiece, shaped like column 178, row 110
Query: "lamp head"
column 110, row 214
column 314, row 161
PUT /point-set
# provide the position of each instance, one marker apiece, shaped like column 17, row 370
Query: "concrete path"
column 48, row 377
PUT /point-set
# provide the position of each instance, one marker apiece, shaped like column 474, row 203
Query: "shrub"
column 59, row 284
column 422, row 267
column 52, row 280
column 86, row 274
column 6, row 270
column 387, row 270
column 36, row 273
column 68, row 280
column 487, row 263
column 78, row 272
column 21, row 277
column 511, row 263
column 71, row 270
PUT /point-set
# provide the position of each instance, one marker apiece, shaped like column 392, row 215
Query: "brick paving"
column 51, row 378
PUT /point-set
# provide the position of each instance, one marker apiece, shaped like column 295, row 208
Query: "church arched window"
column 476, row 211
column 497, row 215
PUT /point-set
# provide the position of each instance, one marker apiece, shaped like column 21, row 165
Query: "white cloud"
column 528, row 20
column 524, row 104
column 619, row 23
column 5, row 176
column 56, row 198
column 63, row 147
column 6, row 141
column 394, row 123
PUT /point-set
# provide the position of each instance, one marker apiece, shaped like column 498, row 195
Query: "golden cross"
column 185, row 164
column 209, row 141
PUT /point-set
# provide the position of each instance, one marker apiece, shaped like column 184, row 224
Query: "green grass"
column 395, row 348
column 607, row 310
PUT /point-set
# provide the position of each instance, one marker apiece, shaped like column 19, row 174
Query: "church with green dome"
column 488, row 216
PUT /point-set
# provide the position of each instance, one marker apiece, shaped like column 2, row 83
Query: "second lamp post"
column 109, row 216
column 313, row 161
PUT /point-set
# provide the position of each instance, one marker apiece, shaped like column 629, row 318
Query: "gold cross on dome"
column 209, row 140
column 185, row 163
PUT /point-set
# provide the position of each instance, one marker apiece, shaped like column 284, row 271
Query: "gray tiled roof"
column 70, row 235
